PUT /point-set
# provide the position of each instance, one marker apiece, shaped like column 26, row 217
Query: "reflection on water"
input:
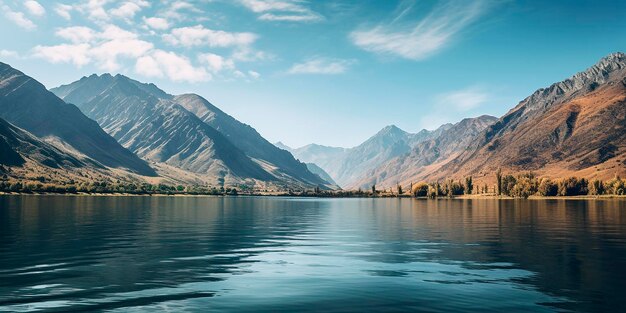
column 276, row 254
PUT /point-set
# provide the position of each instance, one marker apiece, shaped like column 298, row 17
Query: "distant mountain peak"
column 283, row 146
column 391, row 130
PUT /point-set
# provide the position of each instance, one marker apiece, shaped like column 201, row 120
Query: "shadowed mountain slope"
column 146, row 120
column 573, row 127
column 27, row 104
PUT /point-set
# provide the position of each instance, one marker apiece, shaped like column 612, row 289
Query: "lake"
column 267, row 254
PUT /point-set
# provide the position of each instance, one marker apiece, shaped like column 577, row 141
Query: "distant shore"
column 278, row 195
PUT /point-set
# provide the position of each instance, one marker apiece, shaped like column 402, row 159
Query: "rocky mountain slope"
column 445, row 145
column 158, row 129
column 17, row 146
column 184, row 132
column 574, row 127
column 323, row 156
column 27, row 104
column 247, row 138
column 349, row 167
column 313, row 168
column 24, row 157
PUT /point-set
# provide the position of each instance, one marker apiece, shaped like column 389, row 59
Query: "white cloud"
column 18, row 18
column 288, row 18
column 177, row 68
column 76, row 34
column 34, row 8
column 321, row 66
column 247, row 54
column 109, row 52
column 105, row 48
column 453, row 105
column 282, row 10
column 216, row 63
column 95, row 10
column 8, row 54
column 77, row 54
column 157, row 23
column 148, row 66
column 113, row 48
column 199, row 36
column 63, row 10
column 254, row 75
column 128, row 9
column 175, row 8
column 423, row 39
column 464, row 99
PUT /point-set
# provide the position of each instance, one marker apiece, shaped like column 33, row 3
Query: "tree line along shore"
column 523, row 185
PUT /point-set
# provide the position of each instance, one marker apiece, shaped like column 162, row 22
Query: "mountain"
column 323, row 156
column 185, row 132
column 24, row 157
column 27, row 104
column 321, row 173
column 159, row 129
column 18, row 146
column 247, row 139
column 574, row 127
column 349, row 167
column 440, row 146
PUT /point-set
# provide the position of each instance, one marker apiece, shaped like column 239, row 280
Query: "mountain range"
column 575, row 127
column 139, row 131
column 117, row 127
column 27, row 104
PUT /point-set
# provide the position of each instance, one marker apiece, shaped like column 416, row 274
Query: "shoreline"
column 462, row 197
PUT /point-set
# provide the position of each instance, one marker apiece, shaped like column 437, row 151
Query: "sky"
column 325, row 72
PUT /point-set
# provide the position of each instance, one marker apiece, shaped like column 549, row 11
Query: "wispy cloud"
column 464, row 99
column 121, row 36
column 421, row 39
column 158, row 23
column 320, row 65
column 200, row 36
column 450, row 106
column 8, row 54
column 64, row 11
column 282, row 10
column 18, row 18
column 34, row 8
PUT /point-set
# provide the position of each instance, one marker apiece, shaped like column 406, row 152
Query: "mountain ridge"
column 26, row 103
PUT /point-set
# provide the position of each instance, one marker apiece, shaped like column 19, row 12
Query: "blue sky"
column 329, row 72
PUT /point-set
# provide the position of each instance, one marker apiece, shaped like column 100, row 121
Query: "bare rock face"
column 439, row 146
column 27, row 104
column 573, row 127
column 351, row 167
column 247, row 139
column 17, row 146
column 185, row 131
column 158, row 129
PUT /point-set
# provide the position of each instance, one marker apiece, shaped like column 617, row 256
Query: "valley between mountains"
column 112, row 128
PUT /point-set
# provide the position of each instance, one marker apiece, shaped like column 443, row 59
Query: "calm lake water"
column 297, row 255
